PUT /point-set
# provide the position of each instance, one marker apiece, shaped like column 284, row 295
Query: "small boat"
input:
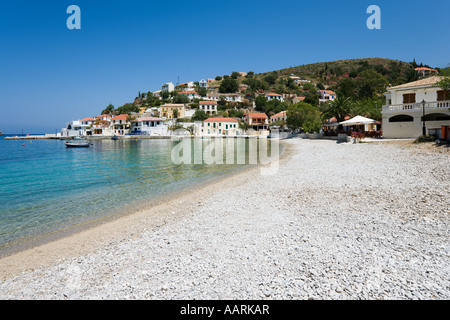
column 115, row 138
column 77, row 145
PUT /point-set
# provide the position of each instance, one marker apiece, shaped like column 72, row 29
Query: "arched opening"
column 436, row 117
column 401, row 118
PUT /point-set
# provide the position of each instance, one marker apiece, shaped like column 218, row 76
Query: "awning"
column 358, row 120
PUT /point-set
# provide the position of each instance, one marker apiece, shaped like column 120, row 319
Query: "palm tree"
column 339, row 108
column 411, row 75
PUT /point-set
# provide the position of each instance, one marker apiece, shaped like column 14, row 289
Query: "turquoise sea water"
column 45, row 186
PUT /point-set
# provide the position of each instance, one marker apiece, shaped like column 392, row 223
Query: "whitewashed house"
column 190, row 94
column 202, row 83
column 326, row 96
column 120, row 124
column 150, row 126
column 220, row 126
column 274, row 96
column 209, row 107
column 74, row 129
column 167, row 87
column 412, row 105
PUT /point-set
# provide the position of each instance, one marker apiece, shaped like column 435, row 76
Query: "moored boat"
column 77, row 144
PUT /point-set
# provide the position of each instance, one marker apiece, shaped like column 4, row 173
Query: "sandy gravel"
column 338, row 221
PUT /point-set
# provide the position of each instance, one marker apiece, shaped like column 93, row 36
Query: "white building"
column 167, row 87
column 326, row 96
column 279, row 116
column 202, row 83
column 209, row 107
column 74, row 129
column 228, row 97
column 190, row 94
column 220, row 126
column 406, row 105
column 120, row 124
column 149, row 126
column 274, row 96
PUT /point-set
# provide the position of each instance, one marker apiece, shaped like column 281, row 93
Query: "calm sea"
column 45, row 187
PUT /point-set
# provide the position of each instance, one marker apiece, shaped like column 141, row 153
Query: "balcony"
column 407, row 107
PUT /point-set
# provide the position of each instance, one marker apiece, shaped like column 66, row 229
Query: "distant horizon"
column 54, row 75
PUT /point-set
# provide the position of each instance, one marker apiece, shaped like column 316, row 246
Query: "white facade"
column 167, row 87
column 74, row 129
column 209, row 107
column 326, row 96
column 229, row 97
column 149, row 126
column 274, row 96
column 219, row 127
column 406, row 104
column 202, row 83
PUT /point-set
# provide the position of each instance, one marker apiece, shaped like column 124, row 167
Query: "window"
column 401, row 118
column 409, row 98
column 443, row 95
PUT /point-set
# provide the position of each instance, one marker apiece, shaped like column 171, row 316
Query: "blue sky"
column 51, row 75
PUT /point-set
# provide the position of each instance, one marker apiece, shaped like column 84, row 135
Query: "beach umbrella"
column 358, row 120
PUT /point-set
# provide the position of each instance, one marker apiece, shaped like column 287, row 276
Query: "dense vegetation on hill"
column 358, row 83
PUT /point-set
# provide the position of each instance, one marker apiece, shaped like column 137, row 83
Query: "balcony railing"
column 435, row 105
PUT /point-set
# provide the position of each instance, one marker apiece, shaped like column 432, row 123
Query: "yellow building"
column 168, row 110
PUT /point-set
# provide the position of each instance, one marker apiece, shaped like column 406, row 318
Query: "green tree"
column 260, row 103
column 411, row 75
column 373, row 80
column 271, row 78
column 202, row 92
column 199, row 115
column 339, row 108
column 303, row 115
column 229, row 85
column 108, row 110
column 127, row 108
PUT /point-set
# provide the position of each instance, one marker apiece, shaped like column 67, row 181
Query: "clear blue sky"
column 50, row 75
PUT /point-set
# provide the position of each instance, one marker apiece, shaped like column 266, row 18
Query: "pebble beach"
column 337, row 221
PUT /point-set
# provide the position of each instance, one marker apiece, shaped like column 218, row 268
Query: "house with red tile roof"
column 258, row 124
column 326, row 96
column 274, row 96
column 298, row 99
column 279, row 116
column 425, row 72
column 121, row 124
column 209, row 107
column 190, row 94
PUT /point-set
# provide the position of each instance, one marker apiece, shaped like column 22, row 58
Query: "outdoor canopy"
column 358, row 120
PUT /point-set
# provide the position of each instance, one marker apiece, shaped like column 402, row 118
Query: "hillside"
column 329, row 73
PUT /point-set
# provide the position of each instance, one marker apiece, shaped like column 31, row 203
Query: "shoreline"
column 337, row 221
column 44, row 250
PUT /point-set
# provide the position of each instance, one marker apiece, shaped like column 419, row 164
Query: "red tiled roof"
column 258, row 115
column 121, row 117
column 301, row 98
column 219, row 119
column 88, row 119
column 208, row 102
column 279, row 115
column 104, row 115
column 274, row 94
column 424, row 69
